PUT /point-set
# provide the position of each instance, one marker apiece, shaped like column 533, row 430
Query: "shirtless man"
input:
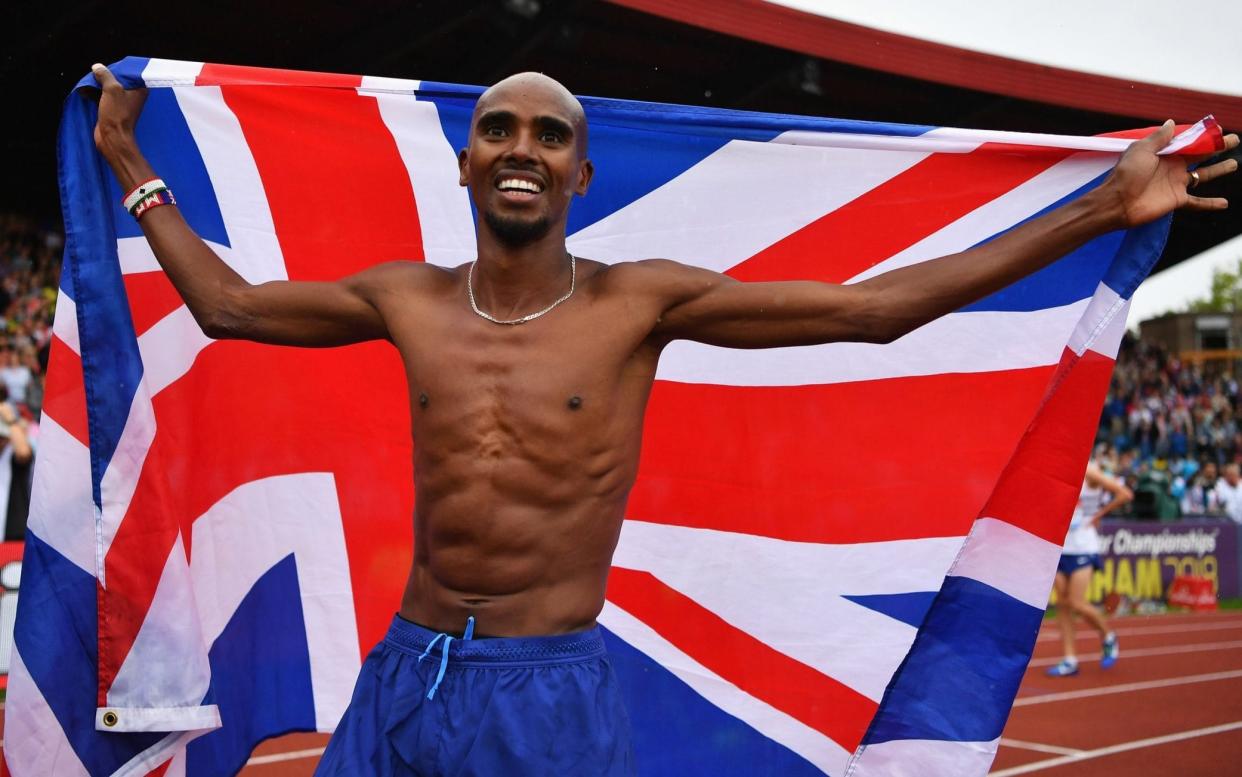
column 528, row 436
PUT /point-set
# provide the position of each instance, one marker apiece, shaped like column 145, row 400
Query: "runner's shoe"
column 1066, row 668
column 1109, row 651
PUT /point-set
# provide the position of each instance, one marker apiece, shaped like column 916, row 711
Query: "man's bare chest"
column 579, row 362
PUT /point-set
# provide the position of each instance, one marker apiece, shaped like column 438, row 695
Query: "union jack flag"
column 835, row 558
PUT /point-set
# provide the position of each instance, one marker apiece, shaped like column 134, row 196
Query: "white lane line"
column 1142, row 652
column 1085, row 693
column 292, row 755
column 1042, row 748
column 1051, row 636
column 1114, row 749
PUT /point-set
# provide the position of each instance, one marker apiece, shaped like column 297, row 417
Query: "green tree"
column 1226, row 293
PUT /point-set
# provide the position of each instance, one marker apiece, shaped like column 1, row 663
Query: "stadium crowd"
column 29, row 276
column 1171, row 430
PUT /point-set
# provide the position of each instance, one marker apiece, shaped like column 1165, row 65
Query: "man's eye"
column 495, row 131
column 550, row 137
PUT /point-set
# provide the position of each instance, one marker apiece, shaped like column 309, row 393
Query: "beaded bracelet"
column 140, row 191
column 153, row 200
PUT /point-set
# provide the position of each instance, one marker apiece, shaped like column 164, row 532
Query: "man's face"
column 1231, row 475
column 526, row 158
column 1209, row 471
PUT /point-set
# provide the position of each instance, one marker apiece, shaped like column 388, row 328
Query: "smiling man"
column 528, row 372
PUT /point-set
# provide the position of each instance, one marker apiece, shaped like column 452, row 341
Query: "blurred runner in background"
column 1080, row 557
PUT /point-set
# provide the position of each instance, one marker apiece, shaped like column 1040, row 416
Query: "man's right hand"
column 119, row 109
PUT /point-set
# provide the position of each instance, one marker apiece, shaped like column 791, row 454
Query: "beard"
column 517, row 232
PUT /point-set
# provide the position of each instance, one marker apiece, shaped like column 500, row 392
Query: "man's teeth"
column 518, row 184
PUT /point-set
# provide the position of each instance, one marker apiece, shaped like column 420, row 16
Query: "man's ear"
column 586, row 171
column 461, row 168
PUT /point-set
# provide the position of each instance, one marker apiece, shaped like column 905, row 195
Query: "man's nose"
column 523, row 146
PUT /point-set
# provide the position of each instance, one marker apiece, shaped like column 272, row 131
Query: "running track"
column 1171, row 706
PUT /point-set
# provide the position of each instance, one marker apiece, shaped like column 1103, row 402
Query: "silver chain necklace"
column 573, row 278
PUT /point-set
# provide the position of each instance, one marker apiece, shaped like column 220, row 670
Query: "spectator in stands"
column 16, row 460
column 16, row 374
column 1228, row 492
column 1201, row 498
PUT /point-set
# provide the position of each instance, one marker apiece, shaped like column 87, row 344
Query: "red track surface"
column 1171, row 706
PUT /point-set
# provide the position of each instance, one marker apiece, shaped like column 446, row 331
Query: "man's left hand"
column 1147, row 185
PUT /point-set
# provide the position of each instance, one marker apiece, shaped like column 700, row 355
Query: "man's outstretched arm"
column 223, row 303
column 713, row 308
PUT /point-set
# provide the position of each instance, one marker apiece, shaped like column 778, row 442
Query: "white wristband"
column 142, row 190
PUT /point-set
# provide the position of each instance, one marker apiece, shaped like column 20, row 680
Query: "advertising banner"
column 10, row 578
column 1141, row 558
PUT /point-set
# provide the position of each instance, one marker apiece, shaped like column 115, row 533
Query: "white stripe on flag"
column 958, row 140
column 1103, row 324
column 171, row 72
column 707, row 215
column 135, row 256
column 1009, row 559
column 65, row 325
column 444, row 216
column 35, row 744
column 169, row 349
column 383, row 84
column 156, row 755
column 255, row 252
column 759, row 715
column 922, row 758
column 931, row 142
column 62, row 508
column 985, row 341
column 165, row 675
column 741, row 577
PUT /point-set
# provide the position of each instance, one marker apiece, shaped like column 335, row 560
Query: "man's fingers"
column 1231, row 142
column 1206, row 203
column 1158, row 139
column 104, row 76
column 1217, row 170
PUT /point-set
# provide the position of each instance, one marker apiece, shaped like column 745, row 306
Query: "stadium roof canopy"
column 869, row 60
column 1129, row 57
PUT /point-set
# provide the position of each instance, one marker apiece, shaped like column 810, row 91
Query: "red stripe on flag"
column 340, row 196
column 151, row 296
column 816, row 469
column 239, row 75
column 821, row 702
column 1040, row 486
column 882, row 222
column 1211, row 141
column 64, row 395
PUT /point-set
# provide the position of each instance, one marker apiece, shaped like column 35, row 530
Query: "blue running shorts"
column 1072, row 562
column 484, row 707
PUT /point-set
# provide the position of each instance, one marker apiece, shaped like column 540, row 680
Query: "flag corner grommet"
column 110, row 719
